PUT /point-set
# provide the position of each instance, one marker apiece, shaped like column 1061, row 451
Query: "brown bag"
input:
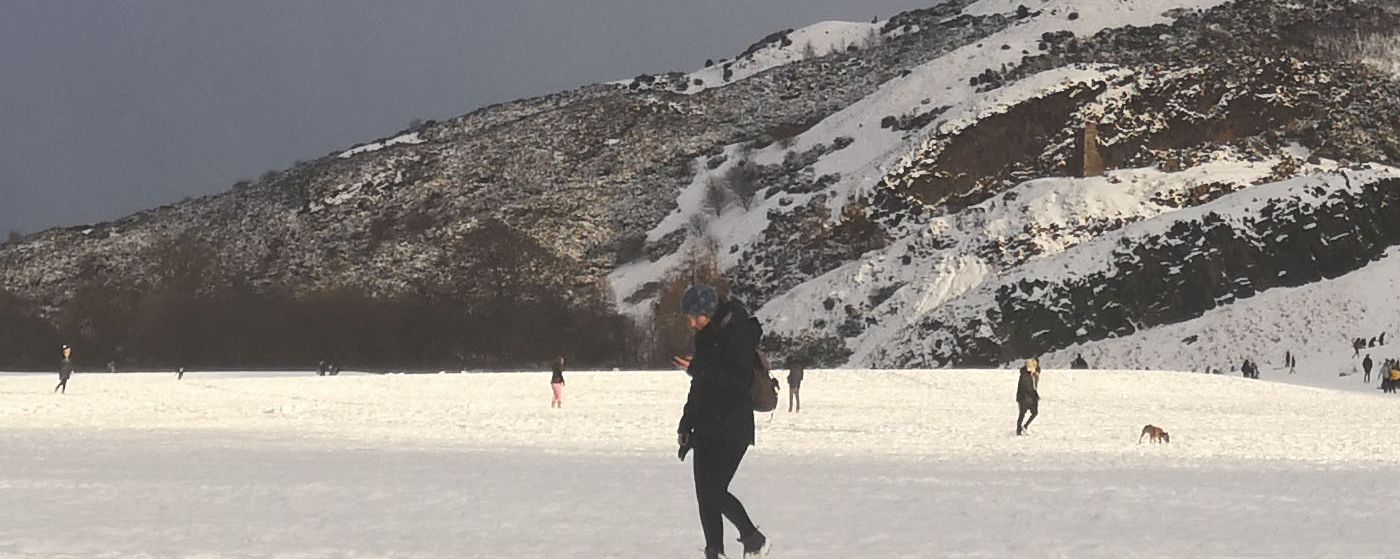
column 764, row 390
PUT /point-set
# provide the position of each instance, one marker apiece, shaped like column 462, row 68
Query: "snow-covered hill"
column 963, row 185
column 877, row 464
column 1316, row 322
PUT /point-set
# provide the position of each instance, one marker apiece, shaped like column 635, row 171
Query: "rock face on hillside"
column 896, row 202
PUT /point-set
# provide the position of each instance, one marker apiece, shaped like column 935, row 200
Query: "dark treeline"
column 508, row 303
column 253, row 330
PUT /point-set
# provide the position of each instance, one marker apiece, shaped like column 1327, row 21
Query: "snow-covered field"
column 879, row 464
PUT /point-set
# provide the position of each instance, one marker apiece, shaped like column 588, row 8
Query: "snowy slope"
column 1316, row 322
column 875, row 152
column 878, row 464
column 818, row 39
column 405, row 139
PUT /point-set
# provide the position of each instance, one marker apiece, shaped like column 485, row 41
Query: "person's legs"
column 1020, row 418
column 792, row 397
column 715, row 466
column 1034, row 408
column 797, row 395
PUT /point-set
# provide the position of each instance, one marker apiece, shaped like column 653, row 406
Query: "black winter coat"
column 795, row 374
column 65, row 368
column 719, row 408
column 1025, row 389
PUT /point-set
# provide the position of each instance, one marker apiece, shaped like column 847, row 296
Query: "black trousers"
column 62, row 385
column 1021, row 421
column 715, row 466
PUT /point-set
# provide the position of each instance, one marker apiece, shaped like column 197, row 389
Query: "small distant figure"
column 1366, row 368
column 1356, row 346
column 112, row 367
column 1028, row 395
column 333, row 370
column 1394, row 378
column 795, row 373
column 1382, row 338
column 1249, row 369
column 320, row 368
column 1154, row 434
column 1373, row 342
column 556, row 383
column 180, row 373
column 65, row 370
column 1079, row 362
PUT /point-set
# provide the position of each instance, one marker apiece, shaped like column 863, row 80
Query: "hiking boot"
column 755, row 544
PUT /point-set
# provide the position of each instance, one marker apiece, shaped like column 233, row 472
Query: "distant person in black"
column 65, row 370
column 1249, row 369
column 556, row 383
column 180, row 373
column 1027, row 395
column 718, row 419
column 1366, row 366
column 795, row 373
column 1079, row 362
column 320, row 368
column 334, row 369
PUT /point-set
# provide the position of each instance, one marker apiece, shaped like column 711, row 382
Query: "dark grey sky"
column 110, row 107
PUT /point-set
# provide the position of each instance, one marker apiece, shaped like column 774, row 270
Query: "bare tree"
column 717, row 194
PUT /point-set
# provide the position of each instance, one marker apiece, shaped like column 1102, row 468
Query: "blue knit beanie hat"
column 700, row 299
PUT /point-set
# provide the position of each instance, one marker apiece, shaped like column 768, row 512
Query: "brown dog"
column 1154, row 434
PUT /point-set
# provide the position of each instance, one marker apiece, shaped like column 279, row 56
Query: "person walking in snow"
column 65, row 370
column 1366, row 367
column 1079, row 362
column 1028, row 395
column 717, row 422
column 556, row 383
column 1384, row 374
column 795, row 373
column 180, row 373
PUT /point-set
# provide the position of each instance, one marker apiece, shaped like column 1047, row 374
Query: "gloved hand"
column 683, row 439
